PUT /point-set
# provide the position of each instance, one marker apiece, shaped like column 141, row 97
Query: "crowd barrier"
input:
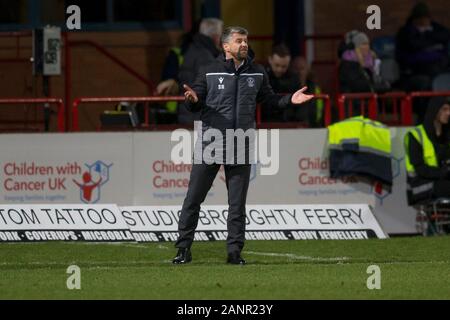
column 146, row 100
column 42, row 102
column 392, row 108
column 375, row 106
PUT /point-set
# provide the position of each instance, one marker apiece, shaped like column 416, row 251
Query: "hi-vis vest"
column 171, row 106
column 418, row 188
column 360, row 146
column 319, row 106
column 429, row 155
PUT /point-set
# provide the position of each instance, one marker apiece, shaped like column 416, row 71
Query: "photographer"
column 428, row 154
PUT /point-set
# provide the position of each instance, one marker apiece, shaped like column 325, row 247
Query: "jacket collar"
column 229, row 64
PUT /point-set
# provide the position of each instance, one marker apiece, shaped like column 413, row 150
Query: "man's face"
column 279, row 65
column 237, row 47
column 364, row 48
column 444, row 114
column 422, row 22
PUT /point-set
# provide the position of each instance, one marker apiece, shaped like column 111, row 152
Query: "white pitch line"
column 124, row 244
column 339, row 259
column 297, row 257
column 108, row 264
column 89, row 263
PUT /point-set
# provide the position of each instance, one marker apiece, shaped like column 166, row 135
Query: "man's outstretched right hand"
column 190, row 94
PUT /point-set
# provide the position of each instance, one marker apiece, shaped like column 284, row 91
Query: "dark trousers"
column 441, row 188
column 202, row 176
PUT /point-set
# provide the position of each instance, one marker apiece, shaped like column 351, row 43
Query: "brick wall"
column 92, row 73
column 95, row 75
column 258, row 19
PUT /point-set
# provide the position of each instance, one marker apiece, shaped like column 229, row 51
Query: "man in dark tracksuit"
column 226, row 93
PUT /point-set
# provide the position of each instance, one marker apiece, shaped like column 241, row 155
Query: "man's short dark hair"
column 281, row 50
column 228, row 32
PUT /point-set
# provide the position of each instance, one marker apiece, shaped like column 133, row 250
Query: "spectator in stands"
column 421, row 49
column 428, row 154
column 169, row 85
column 359, row 69
column 312, row 112
column 282, row 82
column 347, row 42
column 203, row 50
column 169, row 78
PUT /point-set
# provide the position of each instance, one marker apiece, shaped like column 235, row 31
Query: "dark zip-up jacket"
column 202, row 51
column 422, row 52
column 228, row 97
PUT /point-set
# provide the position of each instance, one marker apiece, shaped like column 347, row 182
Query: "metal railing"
column 154, row 99
column 69, row 44
column 44, row 102
column 365, row 101
column 370, row 104
column 146, row 100
column 400, row 105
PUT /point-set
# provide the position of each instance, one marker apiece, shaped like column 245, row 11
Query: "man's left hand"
column 300, row 97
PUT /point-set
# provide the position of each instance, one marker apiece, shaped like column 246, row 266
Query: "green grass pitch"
column 411, row 268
